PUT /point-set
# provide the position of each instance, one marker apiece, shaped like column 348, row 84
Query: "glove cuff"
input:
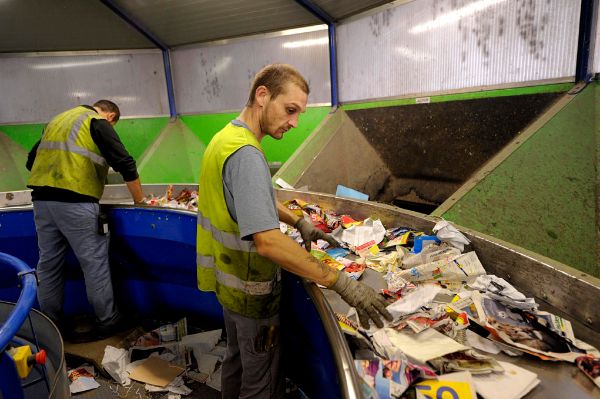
column 299, row 222
column 341, row 283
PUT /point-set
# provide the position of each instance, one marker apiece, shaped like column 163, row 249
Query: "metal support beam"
column 585, row 47
column 157, row 42
column 326, row 18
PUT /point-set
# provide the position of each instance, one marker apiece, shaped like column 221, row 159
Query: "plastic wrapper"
column 395, row 282
column 82, row 379
column 383, row 262
column 295, row 207
column 316, row 216
column 326, row 259
column 590, row 367
column 355, row 270
column 448, row 233
column 395, row 236
column 420, row 321
column 332, row 219
column 432, row 253
column 468, row 360
column 348, row 222
column 462, row 268
column 423, row 241
column 337, row 252
column 470, row 305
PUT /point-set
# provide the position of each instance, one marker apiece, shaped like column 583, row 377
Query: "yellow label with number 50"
column 435, row 389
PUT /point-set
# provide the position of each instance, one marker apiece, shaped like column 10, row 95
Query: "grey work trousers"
column 59, row 224
column 251, row 364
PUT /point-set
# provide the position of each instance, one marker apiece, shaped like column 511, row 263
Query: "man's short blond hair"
column 275, row 77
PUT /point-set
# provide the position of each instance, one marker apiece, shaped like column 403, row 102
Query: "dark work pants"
column 63, row 224
column 251, row 364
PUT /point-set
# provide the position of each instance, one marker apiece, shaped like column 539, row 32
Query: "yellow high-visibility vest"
column 244, row 281
column 67, row 156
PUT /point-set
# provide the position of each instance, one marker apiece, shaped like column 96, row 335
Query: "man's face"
column 281, row 113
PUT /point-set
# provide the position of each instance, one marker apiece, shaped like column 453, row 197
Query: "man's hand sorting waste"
column 310, row 233
column 368, row 304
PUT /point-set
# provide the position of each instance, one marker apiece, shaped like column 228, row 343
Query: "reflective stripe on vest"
column 72, row 147
column 228, row 240
column 231, row 281
column 67, row 156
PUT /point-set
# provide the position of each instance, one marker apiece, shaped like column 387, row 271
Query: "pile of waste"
column 185, row 199
column 450, row 316
column 161, row 359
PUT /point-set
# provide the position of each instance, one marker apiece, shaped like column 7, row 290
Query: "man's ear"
column 262, row 95
column 110, row 116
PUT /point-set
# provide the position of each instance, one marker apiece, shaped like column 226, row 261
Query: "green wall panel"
column 517, row 91
column 542, row 197
column 138, row 134
column 206, row 126
column 13, row 174
column 24, row 135
column 174, row 157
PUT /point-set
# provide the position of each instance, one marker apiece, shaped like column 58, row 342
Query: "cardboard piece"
column 156, row 371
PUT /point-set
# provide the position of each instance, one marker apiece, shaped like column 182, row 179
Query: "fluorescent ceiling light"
column 454, row 15
column 76, row 64
column 307, row 43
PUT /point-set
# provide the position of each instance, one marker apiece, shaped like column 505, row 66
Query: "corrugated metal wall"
column 35, row 88
column 217, row 77
column 437, row 45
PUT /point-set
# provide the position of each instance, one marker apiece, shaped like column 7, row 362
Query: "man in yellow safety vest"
column 240, row 248
column 69, row 165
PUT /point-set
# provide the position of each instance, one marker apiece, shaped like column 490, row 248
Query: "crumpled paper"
column 501, row 290
column 449, row 234
column 421, row 296
column 115, row 363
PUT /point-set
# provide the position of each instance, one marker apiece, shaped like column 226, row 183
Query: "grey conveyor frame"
column 558, row 288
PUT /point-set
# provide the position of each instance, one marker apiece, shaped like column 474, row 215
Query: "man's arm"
column 135, row 189
column 116, row 156
column 282, row 250
column 113, row 150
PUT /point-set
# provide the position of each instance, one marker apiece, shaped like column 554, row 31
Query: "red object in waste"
column 39, row 358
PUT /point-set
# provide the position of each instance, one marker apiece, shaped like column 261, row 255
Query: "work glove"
column 310, row 233
column 368, row 304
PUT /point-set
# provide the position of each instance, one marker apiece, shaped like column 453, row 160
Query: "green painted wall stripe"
column 206, row 126
column 518, row 91
column 138, row 134
column 174, row 158
column 24, row 135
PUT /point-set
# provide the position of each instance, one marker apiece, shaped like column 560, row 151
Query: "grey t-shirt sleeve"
column 248, row 192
